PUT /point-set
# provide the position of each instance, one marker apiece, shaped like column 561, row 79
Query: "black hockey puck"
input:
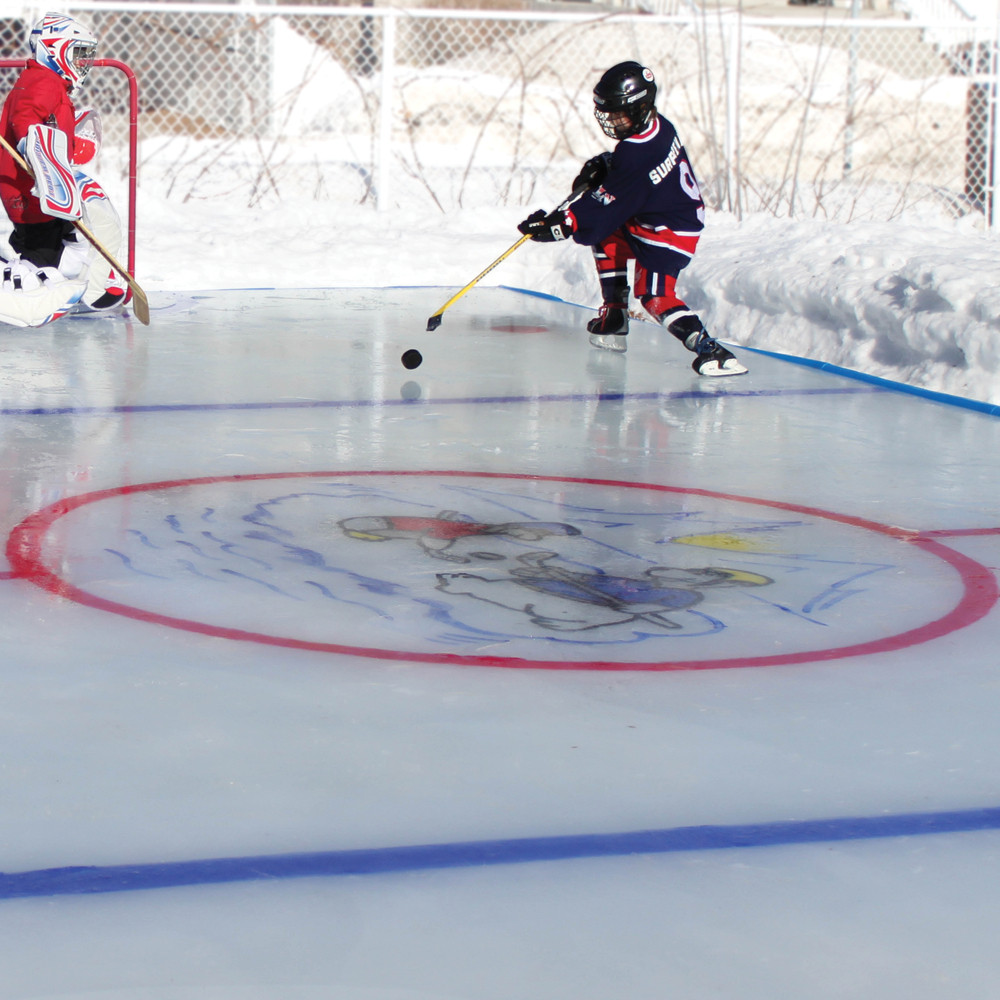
column 411, row 358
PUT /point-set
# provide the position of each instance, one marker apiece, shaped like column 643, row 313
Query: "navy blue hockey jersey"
column 650, row 194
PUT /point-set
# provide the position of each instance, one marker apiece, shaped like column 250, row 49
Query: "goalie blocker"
column 46, row 150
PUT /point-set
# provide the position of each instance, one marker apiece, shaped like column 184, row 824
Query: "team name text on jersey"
column 659, row 172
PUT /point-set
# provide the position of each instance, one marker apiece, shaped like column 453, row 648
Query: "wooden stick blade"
column 140, row 304
column 433, row 322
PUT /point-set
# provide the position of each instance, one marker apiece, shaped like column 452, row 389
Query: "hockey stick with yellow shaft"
column 434, row 320
column 140, row 304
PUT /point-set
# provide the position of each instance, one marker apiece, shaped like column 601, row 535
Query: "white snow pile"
column 903, row 301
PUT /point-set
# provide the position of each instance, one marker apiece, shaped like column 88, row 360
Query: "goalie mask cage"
column 106, row 92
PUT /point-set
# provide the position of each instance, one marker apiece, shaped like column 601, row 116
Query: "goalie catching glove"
column 548, row 227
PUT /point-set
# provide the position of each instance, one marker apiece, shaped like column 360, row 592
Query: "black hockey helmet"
column 624, row 100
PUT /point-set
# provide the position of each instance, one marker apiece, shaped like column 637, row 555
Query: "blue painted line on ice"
column 531, row 293
column 313, row 404
column 883, row 383
column 83, row 880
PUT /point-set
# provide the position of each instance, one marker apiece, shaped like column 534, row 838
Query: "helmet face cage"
column 624, row 100
column 62, row 44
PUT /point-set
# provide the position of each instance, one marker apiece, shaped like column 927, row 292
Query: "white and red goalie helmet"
column 61, row 43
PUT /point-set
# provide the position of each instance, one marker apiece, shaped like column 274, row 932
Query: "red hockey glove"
column 548, row 228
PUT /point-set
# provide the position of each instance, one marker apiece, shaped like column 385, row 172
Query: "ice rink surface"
column 533, row 673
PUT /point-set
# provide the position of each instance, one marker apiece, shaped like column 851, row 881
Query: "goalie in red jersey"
column 52, row 269
column 643, row 205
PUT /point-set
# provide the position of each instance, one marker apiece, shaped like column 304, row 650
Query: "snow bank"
column 906, row 302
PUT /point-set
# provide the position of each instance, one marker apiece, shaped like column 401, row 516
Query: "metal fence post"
column 731, row 29
column 992, row 130
column 852, row 89
column 385, row 108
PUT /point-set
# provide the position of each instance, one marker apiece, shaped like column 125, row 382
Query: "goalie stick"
column 434, row 320
column 140, row 303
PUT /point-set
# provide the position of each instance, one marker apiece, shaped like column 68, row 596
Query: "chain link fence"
column 840, row 118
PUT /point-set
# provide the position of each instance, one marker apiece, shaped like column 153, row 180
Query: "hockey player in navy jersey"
column 643, row 205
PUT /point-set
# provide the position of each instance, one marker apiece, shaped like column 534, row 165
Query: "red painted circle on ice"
column 979, row 585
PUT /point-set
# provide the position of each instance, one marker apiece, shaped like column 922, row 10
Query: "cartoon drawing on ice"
column 560, row 591
column 437, row 535
column 565, row 600
column 529, row 570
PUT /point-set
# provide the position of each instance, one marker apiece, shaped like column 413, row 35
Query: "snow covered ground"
column 915, row 301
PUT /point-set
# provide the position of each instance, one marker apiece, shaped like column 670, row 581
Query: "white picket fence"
column 835, row 116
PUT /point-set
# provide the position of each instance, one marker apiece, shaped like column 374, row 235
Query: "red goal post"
column 133, row 140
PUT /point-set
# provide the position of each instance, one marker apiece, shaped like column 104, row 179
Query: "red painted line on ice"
column 980, row 591
column 518, row 328
column 959, row 532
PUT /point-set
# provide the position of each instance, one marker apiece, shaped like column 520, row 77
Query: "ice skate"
column 711, row 358
column 609, row 328
column 714, row 360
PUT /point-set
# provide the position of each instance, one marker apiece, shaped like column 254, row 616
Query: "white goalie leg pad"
column 47, row 151
column 34, row 296
column 106, row 288
column 74, row 261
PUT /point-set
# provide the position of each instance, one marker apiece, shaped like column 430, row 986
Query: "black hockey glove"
column 546, row 228
column 593, row 172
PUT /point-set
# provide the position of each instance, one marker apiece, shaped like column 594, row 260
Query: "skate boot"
column 711, row 358
column 714, row 360
column 608, row 329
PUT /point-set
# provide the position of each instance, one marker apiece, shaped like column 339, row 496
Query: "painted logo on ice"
column 484, row 569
